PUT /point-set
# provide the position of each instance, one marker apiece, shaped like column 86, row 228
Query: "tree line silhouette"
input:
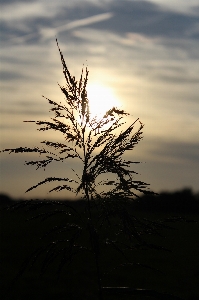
column 184, row 200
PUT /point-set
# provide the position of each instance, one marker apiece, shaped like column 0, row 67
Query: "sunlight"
column 101, row 99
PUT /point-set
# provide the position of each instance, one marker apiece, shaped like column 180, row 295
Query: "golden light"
column 101, row 99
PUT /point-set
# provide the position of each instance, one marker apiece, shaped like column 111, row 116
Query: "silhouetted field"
column 172, row 267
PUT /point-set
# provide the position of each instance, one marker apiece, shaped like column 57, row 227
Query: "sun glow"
column 101, row 99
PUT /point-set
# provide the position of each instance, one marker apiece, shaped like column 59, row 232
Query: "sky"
column 142, row 54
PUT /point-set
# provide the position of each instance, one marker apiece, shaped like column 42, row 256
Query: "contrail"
column 85, row 21
column 47, row 33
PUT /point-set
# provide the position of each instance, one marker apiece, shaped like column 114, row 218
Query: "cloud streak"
column 48, row 33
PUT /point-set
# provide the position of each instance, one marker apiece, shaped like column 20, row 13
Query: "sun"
column 101, row 99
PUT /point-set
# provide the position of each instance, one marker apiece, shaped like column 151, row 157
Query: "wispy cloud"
column 51, row 32
column 20, row 11
column 85, row 21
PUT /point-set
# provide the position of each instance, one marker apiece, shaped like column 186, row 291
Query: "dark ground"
column 174, row 271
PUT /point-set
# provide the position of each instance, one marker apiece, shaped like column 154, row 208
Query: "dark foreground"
column 172, row 267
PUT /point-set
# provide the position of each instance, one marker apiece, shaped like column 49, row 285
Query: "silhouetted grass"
column 99, row 241
column 173, row 272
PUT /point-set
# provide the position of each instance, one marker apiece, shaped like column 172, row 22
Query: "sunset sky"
column 142, row 56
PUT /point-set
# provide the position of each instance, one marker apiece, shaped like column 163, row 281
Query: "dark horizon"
column 178, row 201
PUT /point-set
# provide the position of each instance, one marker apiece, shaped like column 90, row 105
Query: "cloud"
column 180, row 152
column 19, row 11
column 8, row 2
column 44, row 32
column 180, row 79
column 23, row 22
column 51, row 32
column 86, row 21
column 180, row 6
column 6, row 75
column 148, row 19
